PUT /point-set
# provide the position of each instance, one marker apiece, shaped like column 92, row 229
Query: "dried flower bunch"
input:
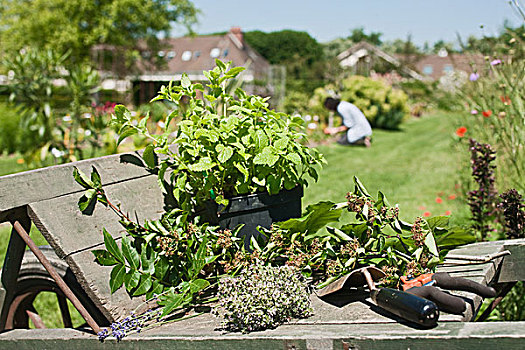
column 262, row 297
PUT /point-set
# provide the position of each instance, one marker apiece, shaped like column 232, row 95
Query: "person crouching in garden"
column 355, row 126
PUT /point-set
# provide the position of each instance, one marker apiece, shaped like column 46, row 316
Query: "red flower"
column 426, row 214
column 461, row 131
column 439, row 200
column 505, row 99
column 452, row 197
column 448, row 212
column 487, row 113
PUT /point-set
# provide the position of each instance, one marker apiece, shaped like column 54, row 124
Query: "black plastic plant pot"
column 259, row 209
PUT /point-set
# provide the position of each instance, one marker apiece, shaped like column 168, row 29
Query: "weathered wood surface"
column 50, row 196
column 513, row 268
column 20, row 189
column 447, row 336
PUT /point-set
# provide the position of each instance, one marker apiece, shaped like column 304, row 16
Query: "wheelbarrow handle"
column 407, row 306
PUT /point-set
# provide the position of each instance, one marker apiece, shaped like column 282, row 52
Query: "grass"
column 412, row 167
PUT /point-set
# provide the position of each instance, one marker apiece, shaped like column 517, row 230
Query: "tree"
column 284, row 46
column 301, row 54
column 358, row 35
column 78, row 25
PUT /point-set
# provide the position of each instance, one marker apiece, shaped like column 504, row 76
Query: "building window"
column 161, row 54
column 196, row 54
column 171, row 54
column 427, row 69
column 215, row 52
column 186, row 56
column 448, row 68
column 225, row 53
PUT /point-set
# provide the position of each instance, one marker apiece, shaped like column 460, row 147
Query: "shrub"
column 13, row 137
column 384, row 106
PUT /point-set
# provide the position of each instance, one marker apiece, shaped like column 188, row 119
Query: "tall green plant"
column 65, row 133
column 226, row 144
column 496, row 115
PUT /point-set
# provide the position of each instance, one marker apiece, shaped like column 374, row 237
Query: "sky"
column 325, row 20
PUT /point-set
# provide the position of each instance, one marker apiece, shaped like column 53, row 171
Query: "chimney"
column 237, row 33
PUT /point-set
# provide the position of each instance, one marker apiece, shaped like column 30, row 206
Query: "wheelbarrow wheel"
column 33, row 279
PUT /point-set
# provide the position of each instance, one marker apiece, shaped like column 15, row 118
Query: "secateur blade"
column 355, row 278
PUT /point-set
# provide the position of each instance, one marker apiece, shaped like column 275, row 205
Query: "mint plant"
column 225, row 144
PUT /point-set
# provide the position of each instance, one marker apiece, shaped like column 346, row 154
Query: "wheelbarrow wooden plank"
column 69, row 231
column 32, row 186
column 181, row 335
column 513, row 265
column 73, row 235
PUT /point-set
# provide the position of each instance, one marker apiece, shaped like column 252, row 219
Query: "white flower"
column 57, row 153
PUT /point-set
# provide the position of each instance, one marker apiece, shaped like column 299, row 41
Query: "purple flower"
column 474, row 76
column 495, row 62
column 473, row 112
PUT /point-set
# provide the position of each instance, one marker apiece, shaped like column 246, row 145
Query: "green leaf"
column 205, row 163
column 225, row 154
column 82, row 179
column 198, row 285
column 147, row 259
column 318, row 216
column 130, row 253
column 360, row 188
column 171, row 303
column 338, row 234
column 294, row 158
column 235, row 71
column 144, row 285
column 242, row 170
column 220, row 64
column 185, row 81
column 86, row 200
column 454, row 237
column 126, row 131
column 266, row 157
column 131, row 280
column 149, row 156
column 112, row 246
column 95, row 178
column 430, row 243
column 103, row 257
column 281, row 143
column 261, row 140
column 438, row 221
column 273, row 184
column 161, row 267
column 117, row 277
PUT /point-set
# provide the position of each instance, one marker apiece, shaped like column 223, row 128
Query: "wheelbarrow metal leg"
column 59, row 281
column 11, row 268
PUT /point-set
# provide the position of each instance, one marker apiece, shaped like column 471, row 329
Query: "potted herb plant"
column 230, row 158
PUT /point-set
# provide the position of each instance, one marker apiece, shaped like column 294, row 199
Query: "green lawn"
column 412, row 167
